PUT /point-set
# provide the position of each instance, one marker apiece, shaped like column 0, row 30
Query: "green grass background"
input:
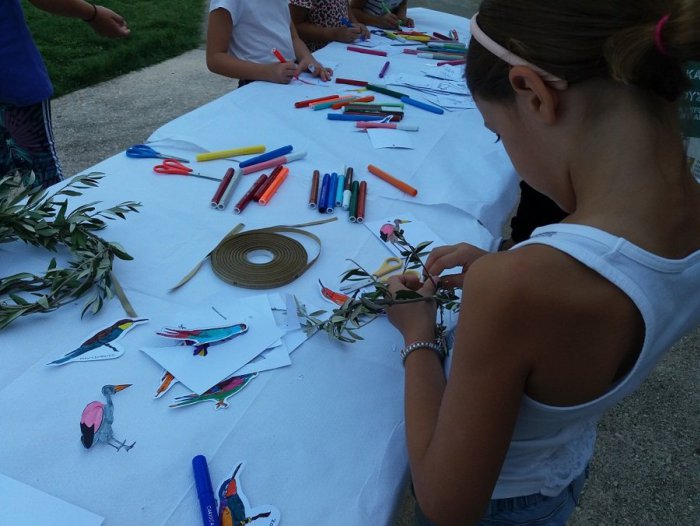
column 77, row 57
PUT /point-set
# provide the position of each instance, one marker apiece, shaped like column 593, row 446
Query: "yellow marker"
column 210, row 156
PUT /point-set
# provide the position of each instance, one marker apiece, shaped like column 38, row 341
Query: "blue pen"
column 339, row 191
column 332, row 191
column 323, row 200
column 344, row 21
column 205, row 493
column 279, row 152
column 422, row 105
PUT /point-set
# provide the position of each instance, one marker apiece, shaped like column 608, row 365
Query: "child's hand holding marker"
column 313, row 66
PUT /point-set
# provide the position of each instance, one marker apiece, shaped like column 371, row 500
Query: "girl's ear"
column 534, row 92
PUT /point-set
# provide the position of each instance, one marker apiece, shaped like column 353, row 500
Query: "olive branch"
column 362, row 308
column 40, row 218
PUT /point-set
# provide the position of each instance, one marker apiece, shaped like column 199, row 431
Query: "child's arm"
column 387, row 20
column 219, row 60
column 104, row 21
column 310, row 31
column 401, row 13
column 306, row 60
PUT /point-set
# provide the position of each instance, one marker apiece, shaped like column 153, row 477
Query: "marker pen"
column 205, row 493
column 323, row 199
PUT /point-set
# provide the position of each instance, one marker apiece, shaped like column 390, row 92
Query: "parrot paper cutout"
column 102, row 345
column 202, row 338
column 218, row 394
column 234, row 507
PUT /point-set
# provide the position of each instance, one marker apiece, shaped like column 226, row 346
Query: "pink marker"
column 367, row 51
column 386, row 125
column 273, row 162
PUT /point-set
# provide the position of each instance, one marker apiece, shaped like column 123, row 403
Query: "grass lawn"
column 77, row 57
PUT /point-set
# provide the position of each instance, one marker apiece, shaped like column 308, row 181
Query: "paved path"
column 646, row 470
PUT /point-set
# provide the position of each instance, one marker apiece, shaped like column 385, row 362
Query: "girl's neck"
column 630, row 177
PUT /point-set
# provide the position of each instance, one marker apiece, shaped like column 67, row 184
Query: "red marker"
column 248, row 197
column 278, row 55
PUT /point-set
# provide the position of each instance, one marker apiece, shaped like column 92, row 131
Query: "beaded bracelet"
column 437, row 347
column 94, row 14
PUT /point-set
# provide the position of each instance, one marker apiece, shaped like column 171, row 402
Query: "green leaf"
column 407, row 295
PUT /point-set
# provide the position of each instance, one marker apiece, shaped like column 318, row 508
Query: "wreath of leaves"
column 40, row 218
column 362, row 308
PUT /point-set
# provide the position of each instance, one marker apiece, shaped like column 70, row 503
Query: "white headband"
column 511, row 58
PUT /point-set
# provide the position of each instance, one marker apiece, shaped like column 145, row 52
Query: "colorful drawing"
column 166, row 382
column 220, row 393
column 234, row 507
column 203, row 338
column 101, row 345
column 97, row 419
column 333, row 296
column 388, row 231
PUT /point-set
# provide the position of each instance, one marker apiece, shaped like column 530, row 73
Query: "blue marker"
column 279, row 152
column 205, row 493
column 323, row 200
column 339, row 191
column 332, row 191
column 344, row 21
column 422, row 105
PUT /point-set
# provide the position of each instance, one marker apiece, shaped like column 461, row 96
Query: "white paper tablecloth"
column 323, row 439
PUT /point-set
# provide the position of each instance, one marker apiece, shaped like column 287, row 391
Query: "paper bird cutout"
column 102, row 345
column 218, row 394
column 234, row 507
column 97, row 419
column 203, row 338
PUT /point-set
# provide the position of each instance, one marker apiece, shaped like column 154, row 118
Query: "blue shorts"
column 27, row 144
column 529, row 510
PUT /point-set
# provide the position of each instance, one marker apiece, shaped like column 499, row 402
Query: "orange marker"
column 339, row 105
column 393, row 181
column 281, row 176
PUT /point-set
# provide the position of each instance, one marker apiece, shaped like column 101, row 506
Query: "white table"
column 323, row 439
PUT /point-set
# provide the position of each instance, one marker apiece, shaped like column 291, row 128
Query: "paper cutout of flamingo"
column 97, row 419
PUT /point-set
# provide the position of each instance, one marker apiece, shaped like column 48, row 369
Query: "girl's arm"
column 104, row 21
column 386, row 20
column 219, row 32
column 459, row 432
column 401, row 13
column 309, row 31
column 306, row 60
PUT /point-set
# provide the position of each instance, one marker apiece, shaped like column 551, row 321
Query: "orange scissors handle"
column 172, row 167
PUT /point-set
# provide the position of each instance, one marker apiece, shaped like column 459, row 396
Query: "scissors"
column 141, row 151
column 388, row 266
column 173, row 167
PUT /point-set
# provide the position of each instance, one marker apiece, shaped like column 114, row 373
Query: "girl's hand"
column 281, row 72
column 364, row 32
column 389, row 21
column 408, row 22
column 108, row 23
column 461, row 255
column 346, row 34
column 315, row 68
column 415, row 321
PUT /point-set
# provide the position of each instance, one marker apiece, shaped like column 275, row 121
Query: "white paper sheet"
column 23, row 504
column 199, row 373
column 388, row 138
column 414, row 232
